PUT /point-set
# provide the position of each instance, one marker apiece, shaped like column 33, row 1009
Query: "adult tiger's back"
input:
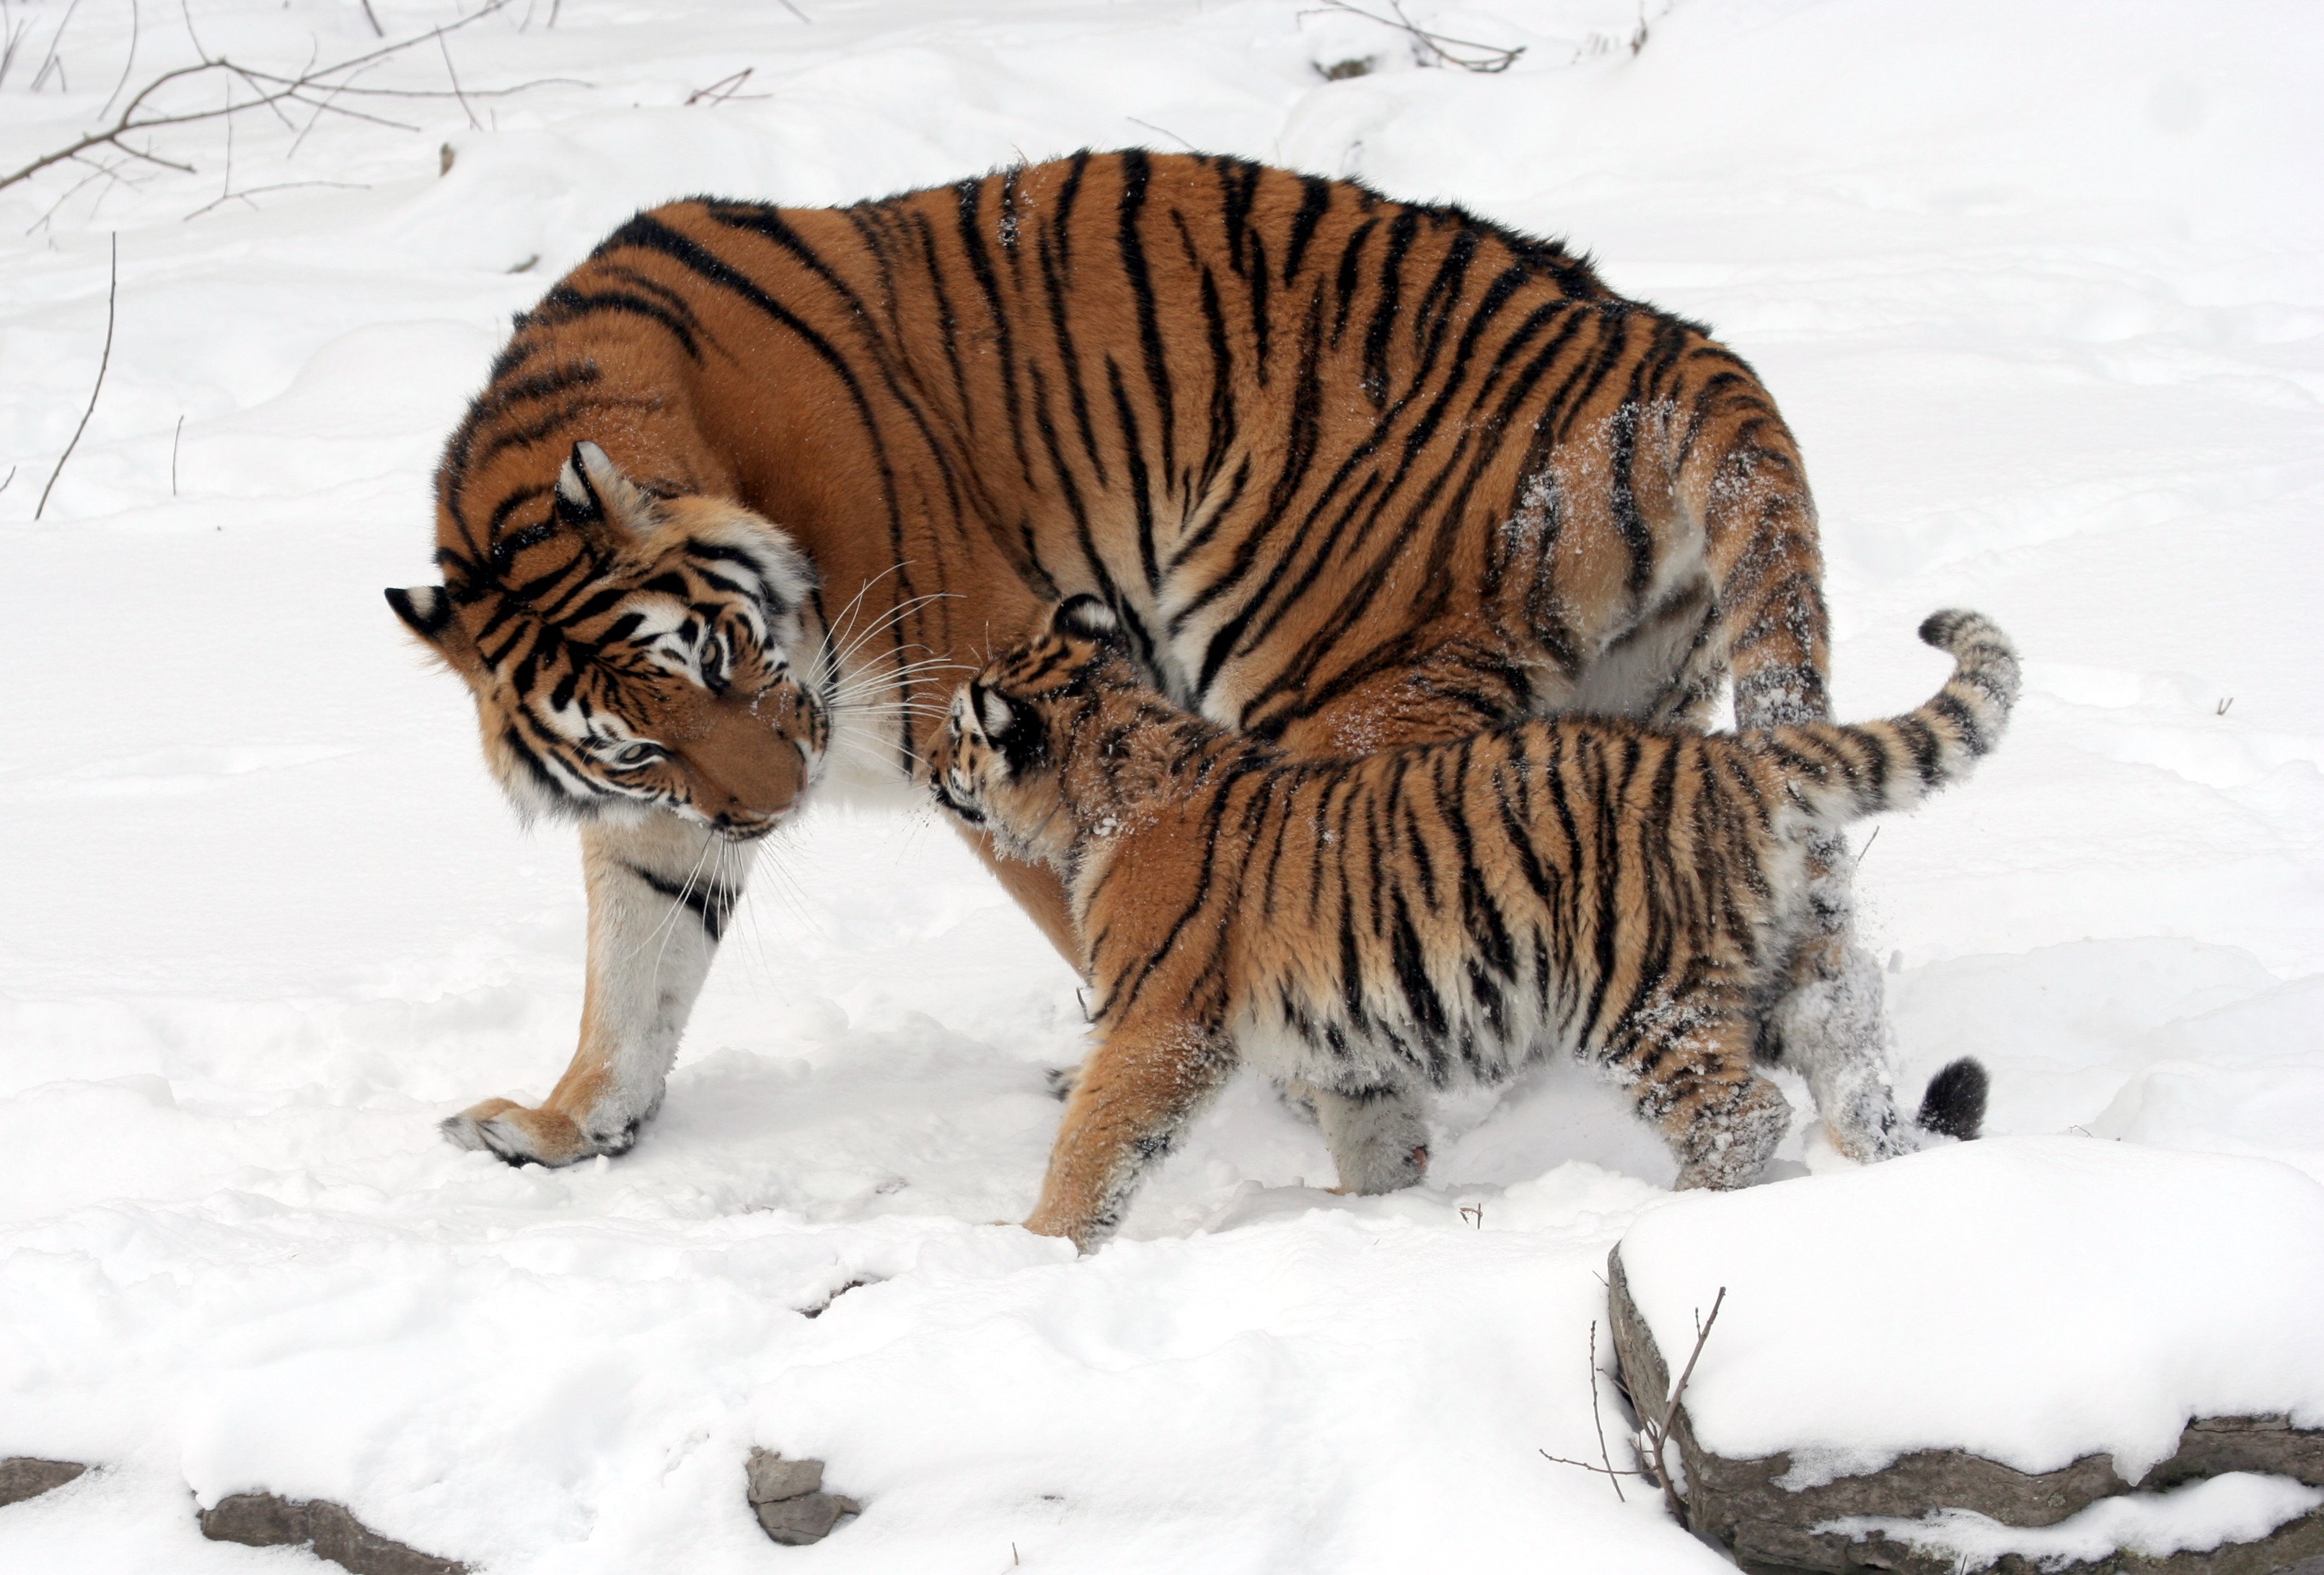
column 1352, row 473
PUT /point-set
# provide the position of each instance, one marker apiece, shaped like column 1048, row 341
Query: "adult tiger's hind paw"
column 515, row 1134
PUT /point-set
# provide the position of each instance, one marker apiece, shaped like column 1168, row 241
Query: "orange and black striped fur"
column 1433, row 914
column 751, row 486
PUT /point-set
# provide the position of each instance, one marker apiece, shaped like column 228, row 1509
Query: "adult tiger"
column 1352, row 472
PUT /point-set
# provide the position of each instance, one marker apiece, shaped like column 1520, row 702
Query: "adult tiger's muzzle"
column 748, row 762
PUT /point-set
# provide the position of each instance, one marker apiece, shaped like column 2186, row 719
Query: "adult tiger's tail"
column 1843, row 772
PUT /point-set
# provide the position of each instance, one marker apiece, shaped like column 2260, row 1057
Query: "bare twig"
column 1165, row 130
column 112, row 294
column 180, row 432
column 50, row 59
column 1595, row 1418
column 247, row 192
column 1866, row 848
column 1608, row 1470
column 315, row 88
column 17, row 31
column 725, row 88
column 377, row 30
column 2222, row 711
column 127, row 65
column 4, row 480
column 1658, row 1430
column 786, row 4
column 1435, row 48
column 466, row 108
column 1475, row 1214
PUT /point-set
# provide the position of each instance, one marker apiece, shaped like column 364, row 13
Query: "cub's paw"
column 515, row 1134
column 1062, row 1080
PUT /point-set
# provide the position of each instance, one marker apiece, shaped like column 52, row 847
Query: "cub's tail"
column 1841, row 773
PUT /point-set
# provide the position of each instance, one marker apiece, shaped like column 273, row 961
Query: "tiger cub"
column 1442, row 912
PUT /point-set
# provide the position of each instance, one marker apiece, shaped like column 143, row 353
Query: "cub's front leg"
column 1137, row 1093
column 661, row 892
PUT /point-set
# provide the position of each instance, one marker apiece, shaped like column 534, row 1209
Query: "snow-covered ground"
column 2040, row 288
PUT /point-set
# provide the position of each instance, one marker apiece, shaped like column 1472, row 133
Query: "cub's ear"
column 591, row 489
column 995, row 713
column 427, row 612
column 1084, row 617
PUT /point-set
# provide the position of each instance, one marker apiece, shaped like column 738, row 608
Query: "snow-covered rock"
column 1988, row 1338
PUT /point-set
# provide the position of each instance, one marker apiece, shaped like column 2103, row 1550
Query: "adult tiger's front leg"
column 661, row 892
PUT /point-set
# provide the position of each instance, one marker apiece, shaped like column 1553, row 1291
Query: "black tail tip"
column 1954, row 1106
column 1939, row 629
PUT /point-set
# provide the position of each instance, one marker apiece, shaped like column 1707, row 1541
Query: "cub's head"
column 628, row 651
column 1000, row 762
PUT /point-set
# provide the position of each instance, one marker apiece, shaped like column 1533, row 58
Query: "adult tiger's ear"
column 427, row 612
column 994, row 712
column 592, row 491
column 1085, row 617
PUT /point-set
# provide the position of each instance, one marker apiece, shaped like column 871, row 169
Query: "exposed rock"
column 784, row 1496
column 773, row 1477
column 24, row 1476
column 263, row 1520
column 1738, row 1504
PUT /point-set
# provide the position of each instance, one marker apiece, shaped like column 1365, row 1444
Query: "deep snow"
column 2039, row 289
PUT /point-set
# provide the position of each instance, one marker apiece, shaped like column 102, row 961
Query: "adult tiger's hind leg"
column 661, row 892
column 1742, row 478
column 1378, row 1136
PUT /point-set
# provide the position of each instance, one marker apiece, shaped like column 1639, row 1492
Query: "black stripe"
column 709, row 902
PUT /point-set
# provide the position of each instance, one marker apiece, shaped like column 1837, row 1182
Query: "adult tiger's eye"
column 711, row 658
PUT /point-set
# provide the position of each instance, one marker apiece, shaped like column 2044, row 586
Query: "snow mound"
column 2028, row 1300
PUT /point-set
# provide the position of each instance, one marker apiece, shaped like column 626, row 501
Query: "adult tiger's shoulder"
column 1350, row 472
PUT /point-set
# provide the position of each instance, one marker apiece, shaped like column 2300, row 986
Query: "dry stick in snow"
column 4, row 480
column 1607, row 1469
column 1487, row 59
column 1658, row 1432
column 180, row 432
column 377, row 30
column 271, row 91
column 474, row 124
column 1654, row 1433
column 725, row 88
column 111, row 294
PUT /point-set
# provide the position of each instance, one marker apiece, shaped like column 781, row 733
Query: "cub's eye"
column 629, row 757
column 710, row 658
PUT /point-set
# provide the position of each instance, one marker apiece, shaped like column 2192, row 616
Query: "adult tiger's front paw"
column 517, row 1135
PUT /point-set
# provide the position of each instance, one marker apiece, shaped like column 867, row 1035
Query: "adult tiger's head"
column 636, row 652
column 999, row 763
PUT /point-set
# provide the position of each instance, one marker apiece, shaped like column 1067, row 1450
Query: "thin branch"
column 112, row 294
column 786, row 4
column 1658, row 1432
column 4, row 480
column 55, row 38
column 1466, row 53
column 1594, row 1416
column 276, row 90
column 1165, row 130
column 466, row 108
column 180, row 432
column 134, row 29
column 725, row 88
column 377, row 30
column 247, row 192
